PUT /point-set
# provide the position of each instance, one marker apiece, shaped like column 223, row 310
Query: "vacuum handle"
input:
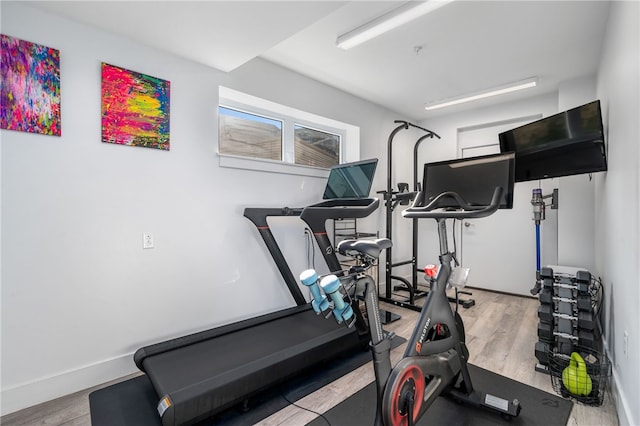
column 466, row 211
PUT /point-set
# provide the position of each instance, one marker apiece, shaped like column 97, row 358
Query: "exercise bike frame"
column 435, row 358
column 405, row 388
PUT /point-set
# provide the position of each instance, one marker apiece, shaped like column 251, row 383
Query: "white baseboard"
column 625, row 416
column 45, row 389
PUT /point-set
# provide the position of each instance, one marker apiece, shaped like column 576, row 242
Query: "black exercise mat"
column 133, row 402
column 538, row 407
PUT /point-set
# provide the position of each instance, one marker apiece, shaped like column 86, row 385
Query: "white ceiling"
column 463, row 47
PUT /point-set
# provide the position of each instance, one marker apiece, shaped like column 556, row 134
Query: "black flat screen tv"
column 564, row 144
column 350, row 180
column 474, row 179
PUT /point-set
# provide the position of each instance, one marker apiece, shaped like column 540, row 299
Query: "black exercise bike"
column 435, row 359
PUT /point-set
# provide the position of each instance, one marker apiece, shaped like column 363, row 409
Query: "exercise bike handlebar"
column 463, row 210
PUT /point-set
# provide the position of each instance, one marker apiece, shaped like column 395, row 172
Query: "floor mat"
column 538, row 407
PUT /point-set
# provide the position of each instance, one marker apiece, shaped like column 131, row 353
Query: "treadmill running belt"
column 209, row 375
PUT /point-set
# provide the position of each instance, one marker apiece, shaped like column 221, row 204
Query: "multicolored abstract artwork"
column 29, row 87
column 135, row 108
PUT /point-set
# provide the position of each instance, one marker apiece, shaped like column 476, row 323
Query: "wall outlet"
column 625, row 345
column 147, row 240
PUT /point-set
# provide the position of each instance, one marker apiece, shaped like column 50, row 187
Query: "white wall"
column 576, row 193
column 79, row 295
column 617, row 200
column 505, row 247
column 570, row 240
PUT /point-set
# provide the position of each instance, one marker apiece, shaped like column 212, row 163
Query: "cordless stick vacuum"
column 537, row 202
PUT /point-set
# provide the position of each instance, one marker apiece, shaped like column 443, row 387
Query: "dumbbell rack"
column 567, row 314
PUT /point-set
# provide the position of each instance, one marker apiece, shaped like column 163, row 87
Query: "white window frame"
column 349, row 135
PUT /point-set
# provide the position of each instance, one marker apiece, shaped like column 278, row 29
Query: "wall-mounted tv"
column 564, row 144
column 350, row 180
column 474, row 179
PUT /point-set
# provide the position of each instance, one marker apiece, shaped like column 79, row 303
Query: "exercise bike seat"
column 369, row 248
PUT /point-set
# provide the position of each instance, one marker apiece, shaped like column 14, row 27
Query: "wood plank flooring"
column 501, row 331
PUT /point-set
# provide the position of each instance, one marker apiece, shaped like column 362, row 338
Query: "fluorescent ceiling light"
column 512, row 87
column 393, row 19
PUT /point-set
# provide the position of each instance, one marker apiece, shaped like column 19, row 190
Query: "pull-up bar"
column 392, row 199
column 404, row 125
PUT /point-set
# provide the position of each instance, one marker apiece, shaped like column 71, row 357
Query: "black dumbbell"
column 584, row 302
column 564, row 292
column 545, row 331
column 546, row 273
column 586, row 339
column 583, row 277
column 583, row 281
column 546, row 296
column 542, row 352
column 545, row 312
column 565, row 346
column 564, row 326
column 586, row 320
column 565, row 308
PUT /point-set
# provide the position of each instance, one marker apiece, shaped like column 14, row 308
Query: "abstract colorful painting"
column 29, row 87
column 135, row 108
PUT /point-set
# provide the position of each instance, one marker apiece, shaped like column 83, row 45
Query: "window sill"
column 258, row 164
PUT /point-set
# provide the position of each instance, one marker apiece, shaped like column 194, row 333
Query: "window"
column 249, row 135
column 316, row 148
column 262, row 135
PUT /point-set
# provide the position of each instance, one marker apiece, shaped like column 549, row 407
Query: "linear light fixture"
column 393, row 19
column 511, row 87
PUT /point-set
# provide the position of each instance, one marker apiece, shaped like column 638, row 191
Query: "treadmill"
column 201, row 374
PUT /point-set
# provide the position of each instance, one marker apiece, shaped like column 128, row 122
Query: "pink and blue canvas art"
column 135, row 108
column 29, row 87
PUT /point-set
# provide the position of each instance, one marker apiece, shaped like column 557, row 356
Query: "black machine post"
column 392, row 199
column 259, row 218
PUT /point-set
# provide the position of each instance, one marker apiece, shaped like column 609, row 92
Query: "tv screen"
column 568, row 143
column 350, row 180
column 474, row 179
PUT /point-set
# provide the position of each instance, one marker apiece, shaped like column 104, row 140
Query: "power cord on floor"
column 305, row 409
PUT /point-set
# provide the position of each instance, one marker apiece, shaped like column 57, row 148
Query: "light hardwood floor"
column 501, row 334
